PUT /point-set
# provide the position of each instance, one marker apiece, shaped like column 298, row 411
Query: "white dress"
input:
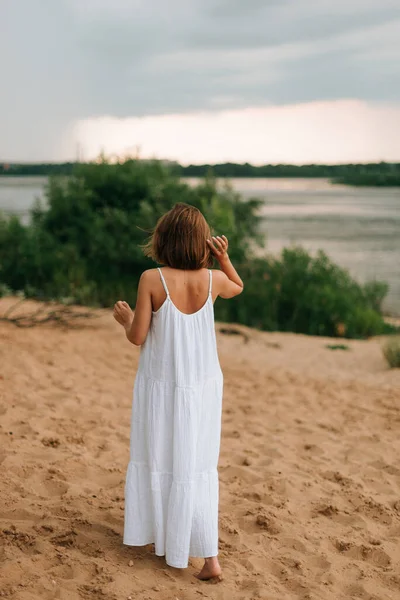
column 171, row 489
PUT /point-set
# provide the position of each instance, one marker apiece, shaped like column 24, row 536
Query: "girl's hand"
column 123, row 313
column 219, row 247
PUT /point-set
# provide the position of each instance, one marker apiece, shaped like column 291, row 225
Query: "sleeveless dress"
column 171, row 488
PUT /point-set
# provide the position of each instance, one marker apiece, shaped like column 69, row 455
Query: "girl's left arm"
column 136, row 324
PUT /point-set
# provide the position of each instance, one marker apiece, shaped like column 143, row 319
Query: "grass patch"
column 391, row 351
column 337, row 347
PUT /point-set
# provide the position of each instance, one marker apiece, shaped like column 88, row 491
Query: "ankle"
column 212, row 564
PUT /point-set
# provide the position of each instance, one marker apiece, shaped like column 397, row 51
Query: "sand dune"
column 309, row 469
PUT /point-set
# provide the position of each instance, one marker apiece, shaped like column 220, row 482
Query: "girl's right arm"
column 228, row 281
column 136, row 324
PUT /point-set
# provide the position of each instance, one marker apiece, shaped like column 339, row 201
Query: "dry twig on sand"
column 234, row 331
column 48, row 312
column 229, row 330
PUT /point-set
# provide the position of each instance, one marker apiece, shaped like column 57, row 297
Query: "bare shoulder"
column 219, row 278
column 149, row 277
column 225, row 287
column 218, row 275
column 150, row 274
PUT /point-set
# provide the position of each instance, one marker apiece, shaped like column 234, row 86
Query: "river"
column 359, row 228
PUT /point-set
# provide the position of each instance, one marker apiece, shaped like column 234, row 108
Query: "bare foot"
column 210, row 570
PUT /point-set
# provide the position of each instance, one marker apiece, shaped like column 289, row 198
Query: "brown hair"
column 179, row 239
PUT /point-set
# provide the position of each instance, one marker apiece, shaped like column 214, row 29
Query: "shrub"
column 391, row 351
column 86, row 243
column 85, row 246
column 5, row 290
column 304, row 294
column 375, row 293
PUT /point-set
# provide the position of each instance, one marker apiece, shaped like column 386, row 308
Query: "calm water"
column 359, row 228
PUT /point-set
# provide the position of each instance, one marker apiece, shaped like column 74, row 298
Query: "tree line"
column 372, row 174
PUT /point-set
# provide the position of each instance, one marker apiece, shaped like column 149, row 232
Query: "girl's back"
column 178, row 400
column 181, row 347
column 188, row 290
column 171, row 489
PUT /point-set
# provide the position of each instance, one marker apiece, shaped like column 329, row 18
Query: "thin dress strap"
column 163, row 281
column 210, row 286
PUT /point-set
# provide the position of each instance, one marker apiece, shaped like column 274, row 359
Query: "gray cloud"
column 70, row 59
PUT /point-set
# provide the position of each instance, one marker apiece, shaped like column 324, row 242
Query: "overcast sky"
column 201, row 80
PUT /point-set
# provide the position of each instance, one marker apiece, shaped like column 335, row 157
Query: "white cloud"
column 320, row 132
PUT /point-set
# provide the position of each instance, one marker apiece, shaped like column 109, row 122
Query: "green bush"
column 85, row 246
column 391, row 351
column 304, row 294
column 5, row 290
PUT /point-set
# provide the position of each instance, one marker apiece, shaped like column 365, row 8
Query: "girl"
column 171, row 489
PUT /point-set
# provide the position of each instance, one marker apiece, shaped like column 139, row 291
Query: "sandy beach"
column 309, row 469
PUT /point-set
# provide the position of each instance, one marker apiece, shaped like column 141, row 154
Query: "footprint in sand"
column 293, row 544
column 228, row 526
column 266, row 522
column 242, row 473
column 319, row 562
column 66, row 539
column 381, row 465
column 356, row 590
column 66, row 571
column 375, row 511
column 340, row 479
column 254, row 563
column 334, row 514
column 291, row 578
column 372, row 555
column 24, row 541
column 259, row 497
column 94, row 592
column 19, row 514
column 47, row 486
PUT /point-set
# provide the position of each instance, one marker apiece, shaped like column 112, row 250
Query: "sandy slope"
column 309, row 470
